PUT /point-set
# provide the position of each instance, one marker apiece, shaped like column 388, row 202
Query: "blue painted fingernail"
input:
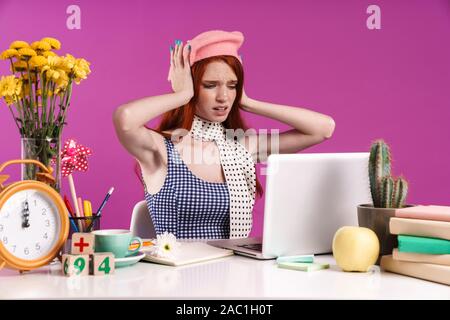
column 189, row 46
column 171, row 48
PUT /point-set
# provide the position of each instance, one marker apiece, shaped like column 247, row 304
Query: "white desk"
column 227, row 278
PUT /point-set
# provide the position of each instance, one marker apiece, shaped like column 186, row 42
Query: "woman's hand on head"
column 180, row 71
column 244, row 100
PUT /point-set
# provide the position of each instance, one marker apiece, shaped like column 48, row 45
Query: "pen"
column 74, row 226
column 99, row 211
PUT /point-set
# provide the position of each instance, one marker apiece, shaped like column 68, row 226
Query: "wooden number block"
column 83, row 243
column 75, row 264
column 103, row 263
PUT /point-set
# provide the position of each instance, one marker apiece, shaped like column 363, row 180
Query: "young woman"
column 200, row 180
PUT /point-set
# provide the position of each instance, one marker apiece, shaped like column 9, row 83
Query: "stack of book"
column 423, row 251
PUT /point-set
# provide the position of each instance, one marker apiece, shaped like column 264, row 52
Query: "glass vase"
column 47, row 151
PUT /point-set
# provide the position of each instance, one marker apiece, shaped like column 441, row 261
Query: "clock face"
column 29, row 224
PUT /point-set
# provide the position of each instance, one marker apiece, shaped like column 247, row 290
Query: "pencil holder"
column 84, row 224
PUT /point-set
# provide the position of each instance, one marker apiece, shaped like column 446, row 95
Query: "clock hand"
column 26, row 214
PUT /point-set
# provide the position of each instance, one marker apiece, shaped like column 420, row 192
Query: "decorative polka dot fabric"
column 239, row 170
column 74, row 157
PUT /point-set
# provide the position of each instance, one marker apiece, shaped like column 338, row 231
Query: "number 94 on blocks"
column 85, row 264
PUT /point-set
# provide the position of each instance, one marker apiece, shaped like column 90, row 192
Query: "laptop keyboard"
column 253, row 246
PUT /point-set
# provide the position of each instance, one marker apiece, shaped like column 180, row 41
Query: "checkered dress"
column 188, row 206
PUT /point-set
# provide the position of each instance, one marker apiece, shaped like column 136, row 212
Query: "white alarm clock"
column 33, row 221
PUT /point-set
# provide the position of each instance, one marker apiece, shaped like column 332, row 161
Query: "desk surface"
column 227, row 278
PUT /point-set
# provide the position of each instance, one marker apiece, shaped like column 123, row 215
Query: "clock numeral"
column 35, row 203
column 5, row 240
column 14, row 248
column 47, row 223
column 1, row 228
column 45, row 235
column 26, row 251
column 44, row 211
column 38, row 246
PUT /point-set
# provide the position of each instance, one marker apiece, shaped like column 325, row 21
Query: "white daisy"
column 165, row 245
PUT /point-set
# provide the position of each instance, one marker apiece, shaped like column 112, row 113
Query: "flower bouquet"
column 38, row 96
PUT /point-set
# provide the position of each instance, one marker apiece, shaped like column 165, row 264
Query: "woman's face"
column 217, row 92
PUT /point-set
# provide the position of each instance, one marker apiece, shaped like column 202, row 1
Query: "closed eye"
column 209, row 86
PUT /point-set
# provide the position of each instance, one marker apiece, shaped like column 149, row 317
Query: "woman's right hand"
column 180, row 71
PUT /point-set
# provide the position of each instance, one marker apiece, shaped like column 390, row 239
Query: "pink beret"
column 215, row 43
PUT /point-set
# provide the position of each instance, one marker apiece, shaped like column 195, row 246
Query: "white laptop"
column 308, row 197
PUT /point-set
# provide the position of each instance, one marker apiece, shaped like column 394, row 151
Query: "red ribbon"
column 74, row 157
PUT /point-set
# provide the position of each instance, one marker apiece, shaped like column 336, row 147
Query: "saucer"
column 130, row 260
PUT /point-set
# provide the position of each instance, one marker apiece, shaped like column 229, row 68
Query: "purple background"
column 392, row 83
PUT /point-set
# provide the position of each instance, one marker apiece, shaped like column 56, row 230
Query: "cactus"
column 379, row 167
column 387, row 186
column 387, row 192
column 400, row 193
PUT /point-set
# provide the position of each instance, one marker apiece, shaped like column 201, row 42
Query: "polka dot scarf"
column 239, row 170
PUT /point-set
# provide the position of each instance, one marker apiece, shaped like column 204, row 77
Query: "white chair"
column 141, row 224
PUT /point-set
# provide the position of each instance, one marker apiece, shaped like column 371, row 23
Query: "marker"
column 307, row 258
column 69, row 207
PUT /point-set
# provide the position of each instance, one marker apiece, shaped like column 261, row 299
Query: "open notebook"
column 191, row 252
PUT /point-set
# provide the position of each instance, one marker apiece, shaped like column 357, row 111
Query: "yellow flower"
column 48, row 53
column 19, row 44
column 63, row 80
column 67, row 63
column 53, row 42
column 81, row 70
column 52, row 74
column 19, row 66
column 9, row 53
column 37, row 62
column 10, row 86
column 53, row 61
column 51, row 69
column 41, row 45
column 27, row 53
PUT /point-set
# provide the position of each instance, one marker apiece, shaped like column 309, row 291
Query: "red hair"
column 183, row 116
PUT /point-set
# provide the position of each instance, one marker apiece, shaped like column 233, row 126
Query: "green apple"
column 355, row 248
